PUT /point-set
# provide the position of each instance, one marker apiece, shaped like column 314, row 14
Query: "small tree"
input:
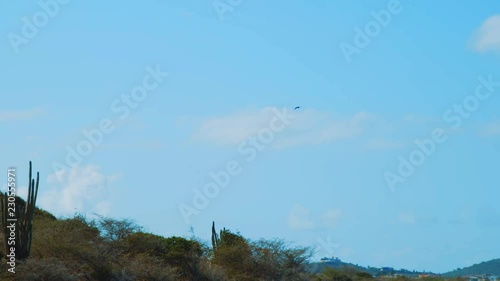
column 181, row 254
column 115, row 229
column 276, row 259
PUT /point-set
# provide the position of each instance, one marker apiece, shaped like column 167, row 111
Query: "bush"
column 146, row 268
column 276, row 260
column 46, row 269
column 115, row 229
column 181, row 254
column 77, row 242
column 234, row 254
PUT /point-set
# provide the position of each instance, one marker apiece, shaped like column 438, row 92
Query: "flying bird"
column 297, row 107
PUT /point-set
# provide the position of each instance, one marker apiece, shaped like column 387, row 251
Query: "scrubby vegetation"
column 107, row 249
column 78, row 248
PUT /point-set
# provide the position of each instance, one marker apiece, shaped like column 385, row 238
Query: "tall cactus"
column 24, row 214
column 215, row 238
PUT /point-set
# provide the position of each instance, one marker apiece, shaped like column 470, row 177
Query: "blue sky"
column 172, row 92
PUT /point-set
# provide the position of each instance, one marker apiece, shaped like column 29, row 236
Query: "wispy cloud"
column 299, row 218
column 19, row 115
column 234, row 128
column 81, row 189
column 492, row 129
column 313, row 128
column 308, row 127
column 487, row 37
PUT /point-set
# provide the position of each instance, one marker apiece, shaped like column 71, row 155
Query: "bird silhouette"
column 297, row 107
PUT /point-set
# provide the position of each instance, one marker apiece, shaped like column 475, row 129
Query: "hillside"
column 374, row 271
column 489, row 267
column 105, row 249
column 109, row 249
column 318, row 267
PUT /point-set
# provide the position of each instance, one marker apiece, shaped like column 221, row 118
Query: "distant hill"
column 338, row 264
column 318, row 267
column 485, row 268
column 489, row 267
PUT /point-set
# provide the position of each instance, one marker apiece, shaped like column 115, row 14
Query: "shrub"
column 181, row 254
column 46, row 269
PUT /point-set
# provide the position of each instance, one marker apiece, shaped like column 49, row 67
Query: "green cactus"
column 24, row 213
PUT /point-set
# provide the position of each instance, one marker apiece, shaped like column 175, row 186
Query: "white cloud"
column 308, row 127
column 81, row 189
column 21, row 191
column 331, row 218
column 315, row 128
column 12, row 115
column 487, row 37
column 299, row 218
column 235, row 128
